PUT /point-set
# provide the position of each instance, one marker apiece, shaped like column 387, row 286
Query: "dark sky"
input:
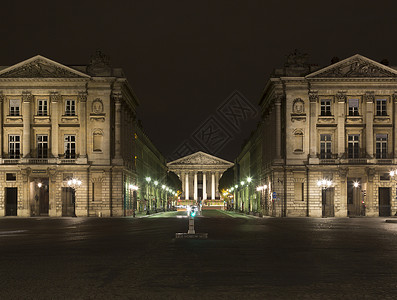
column 185, row 58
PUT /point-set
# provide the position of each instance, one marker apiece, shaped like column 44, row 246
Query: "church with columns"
column 200, row 173
column 61, row 133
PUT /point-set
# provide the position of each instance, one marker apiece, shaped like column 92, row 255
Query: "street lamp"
column 133, row 188
column 74, row 183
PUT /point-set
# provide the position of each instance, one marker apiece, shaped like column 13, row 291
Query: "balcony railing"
column 39, row 161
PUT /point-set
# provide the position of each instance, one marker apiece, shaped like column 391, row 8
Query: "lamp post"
column 262, row 189
column 148, row 179
column 324, row 184
column 74, row 184
column 133, row 188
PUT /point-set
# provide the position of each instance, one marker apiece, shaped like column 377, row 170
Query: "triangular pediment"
column 40, row 67
column 200, row 159
column 356, row 66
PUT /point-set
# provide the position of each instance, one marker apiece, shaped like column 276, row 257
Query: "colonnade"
column 190, row 184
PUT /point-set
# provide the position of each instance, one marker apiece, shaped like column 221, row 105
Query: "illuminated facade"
column 328, row 141
column 66, row 122
column 200, row 173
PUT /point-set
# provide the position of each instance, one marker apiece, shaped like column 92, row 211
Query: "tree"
column 227, row 179
column 173, row 181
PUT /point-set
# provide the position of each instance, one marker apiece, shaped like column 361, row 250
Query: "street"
column 244, row 257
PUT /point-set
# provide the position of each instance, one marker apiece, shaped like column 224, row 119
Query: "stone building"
column 328, row 140
column 60, row 123
column 153, row 193
column 200, row 173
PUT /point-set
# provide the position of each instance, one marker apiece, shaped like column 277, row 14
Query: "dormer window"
column 70, row 107
column 15, row 107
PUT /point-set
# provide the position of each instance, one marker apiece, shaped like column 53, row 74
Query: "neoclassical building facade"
column 327, row 141
column 60, row 123
column 200, row 173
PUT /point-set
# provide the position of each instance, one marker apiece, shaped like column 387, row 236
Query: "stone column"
column 117, row 125
column 313, row 97
column 212, row 185
column 278, row 127
column 182, row 178
column 195, row 186
column 204, row 186
column 394, row 122
column 217, row 184
column 55, row 98
column 369, row 119
column 187, row 186
column 26, row 99
column 1, row 124
column 83, row 123
column 341, row 100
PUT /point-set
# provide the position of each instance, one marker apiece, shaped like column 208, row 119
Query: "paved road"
column 244, row 258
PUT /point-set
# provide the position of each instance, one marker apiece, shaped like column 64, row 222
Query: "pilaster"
column 313, row 98
column 55, row 98
column 27, row 98
column 82, row 98
column 341, row 100
column 369, row 119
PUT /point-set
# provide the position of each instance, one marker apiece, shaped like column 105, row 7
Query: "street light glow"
column 148, row 179
column 356, row 184
column 156, row 182
column 249, row 179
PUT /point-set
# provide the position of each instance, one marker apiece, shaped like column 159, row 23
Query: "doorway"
column 354, row 197
column 68, row 202
column 11, row 201
column 328, row 202
column 384, row 202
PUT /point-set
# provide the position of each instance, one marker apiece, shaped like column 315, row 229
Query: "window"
column 70, row 146
column 326, row 107
column 42, row 146
column 15, row 107
column 381, row 146
column 70, row 107
column 42, row 107
column 353, row 147
column 11, row 176
column 325, row 146
column 353, row 107
column 14, row 146
column 381, row 107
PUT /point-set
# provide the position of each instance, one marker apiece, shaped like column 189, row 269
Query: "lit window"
column 42, row 107
column 70, row 107
column 381, row 107
column 15, row 107
column 326, row 107
column 381, row 146
column 14, row 146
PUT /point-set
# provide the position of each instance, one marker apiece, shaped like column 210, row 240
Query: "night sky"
column 185, row 58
